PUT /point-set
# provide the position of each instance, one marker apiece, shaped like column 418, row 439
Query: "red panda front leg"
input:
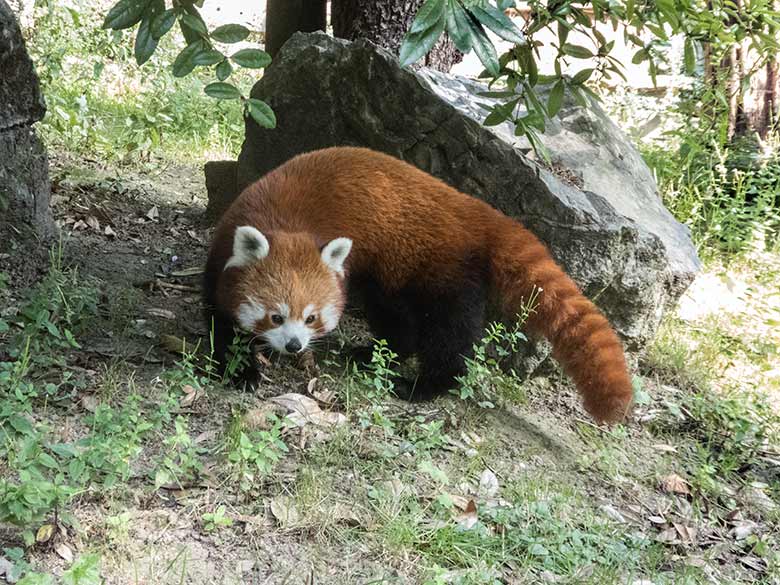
column 449, row 325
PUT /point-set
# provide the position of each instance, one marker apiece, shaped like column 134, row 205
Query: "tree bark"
column 385, row 22
column 285, row 17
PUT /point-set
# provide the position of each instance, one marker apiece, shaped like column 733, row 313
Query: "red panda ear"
column 335, row 253
column 249, row 245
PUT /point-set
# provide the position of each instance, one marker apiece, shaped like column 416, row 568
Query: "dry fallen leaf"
column 612, row 513
column 89, row 403
column 687, row 533
column 64, row 551
column 44, row 533
column 153, row 213
column 284, row 510
column 668, row 536
column 191, row 394
column 674, row 484
column 468, row 518
column 257, row 418
column 303, row 410
column 657, row 519
column 345, row 514
column 488, row 484
column 109, row 232
column 93, row 222
column 743, row 529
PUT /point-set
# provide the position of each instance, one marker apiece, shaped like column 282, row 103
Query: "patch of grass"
column 101, row 104
column 252, row 453
column 728, row 195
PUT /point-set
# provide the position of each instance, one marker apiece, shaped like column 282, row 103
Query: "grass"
column 103, row 106
column 444, row 493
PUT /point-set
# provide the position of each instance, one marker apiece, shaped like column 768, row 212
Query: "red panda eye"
column 310, row 319
column 277, row 319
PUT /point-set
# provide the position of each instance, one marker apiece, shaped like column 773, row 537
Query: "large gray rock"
column 599, row 212
column 24, row 169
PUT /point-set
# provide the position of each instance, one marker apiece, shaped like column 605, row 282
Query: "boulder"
column 596, row 206
column 24, row 169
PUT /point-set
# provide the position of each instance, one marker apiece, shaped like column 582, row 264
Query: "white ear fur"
column 249, row 245
column 335, row 253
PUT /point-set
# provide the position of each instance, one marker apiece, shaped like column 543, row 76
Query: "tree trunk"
column 285, row 17
column 385, row 22
column 24, row 169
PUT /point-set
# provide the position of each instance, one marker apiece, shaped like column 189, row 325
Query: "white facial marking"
column 335, row 253
column 280, row 336
column 284, row 310
column 250, row 313
column 249, row 245
column 330, row 317
column 308, row 311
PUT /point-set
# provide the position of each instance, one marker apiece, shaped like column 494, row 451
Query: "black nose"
column 293, row 346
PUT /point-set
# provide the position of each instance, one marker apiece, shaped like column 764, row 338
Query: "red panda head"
column 285, row 288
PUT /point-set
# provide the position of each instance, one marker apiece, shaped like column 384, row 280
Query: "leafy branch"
column 204, row 48
column 647, row 26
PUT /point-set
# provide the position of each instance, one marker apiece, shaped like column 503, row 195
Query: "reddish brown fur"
column 409, row 227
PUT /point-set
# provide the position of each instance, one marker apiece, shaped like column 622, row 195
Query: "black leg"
column 390, row 317
column 449, row 325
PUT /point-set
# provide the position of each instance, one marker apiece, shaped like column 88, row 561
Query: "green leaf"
column 224, row 70
column 145, row 41
column 458, row 27
column 498, row 22
column 582, row 76
column 690, row 56
column 192, row 34
column 162, row 23
column 501, row 113
column 251, row 58
column 555, row 101
column 125, row 14
column 417, row 45
column 428, row 16
column 195, row 23
column 184, row 63
column 577, row 51
column 261, row 113
column 639, row 56
column 208, row 57
column 222, row 91
column 484, row 48
column 230, row 33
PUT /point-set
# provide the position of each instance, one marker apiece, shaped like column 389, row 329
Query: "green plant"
column 60, row 308
column 729, row 206
column 217, row 519
column 719, row 25
column 371, row 385
column 484, row 379
column 181, row 460
column 204, row 48
column 100, row 105
column 85, row 570
column 252, row 454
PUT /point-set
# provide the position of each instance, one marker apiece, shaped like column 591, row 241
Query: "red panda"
column 428, row 260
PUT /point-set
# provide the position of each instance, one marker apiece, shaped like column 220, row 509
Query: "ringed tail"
column 583, row 341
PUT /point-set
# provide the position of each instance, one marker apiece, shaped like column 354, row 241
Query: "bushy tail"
column 583, row 341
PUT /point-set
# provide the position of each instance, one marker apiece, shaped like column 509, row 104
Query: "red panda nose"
column 293, row 346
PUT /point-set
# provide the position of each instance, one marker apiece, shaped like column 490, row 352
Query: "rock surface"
column 24, row 169
column 600, row 212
